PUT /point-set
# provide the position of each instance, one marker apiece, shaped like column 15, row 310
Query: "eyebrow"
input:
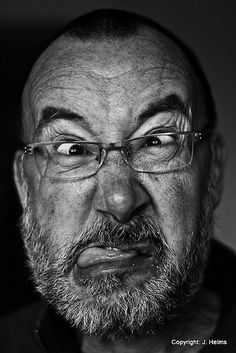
column 170, row 103
column 53, row 114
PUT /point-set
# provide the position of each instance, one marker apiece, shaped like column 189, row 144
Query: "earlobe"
column 19, row 178
column 218, row 166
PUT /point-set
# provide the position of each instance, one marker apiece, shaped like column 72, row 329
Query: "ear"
column 218, row 166
column 19, row 177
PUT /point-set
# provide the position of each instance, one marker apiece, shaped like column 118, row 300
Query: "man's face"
column 112, row 90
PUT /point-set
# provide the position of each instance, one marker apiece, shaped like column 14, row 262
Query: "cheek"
column 176, row 202
column 62, row 209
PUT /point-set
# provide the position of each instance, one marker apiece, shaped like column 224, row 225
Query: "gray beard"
column 105, row 306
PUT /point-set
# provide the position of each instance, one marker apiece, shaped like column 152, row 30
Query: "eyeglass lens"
column 152, row 153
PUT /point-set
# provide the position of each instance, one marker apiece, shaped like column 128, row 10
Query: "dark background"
column 25, row 26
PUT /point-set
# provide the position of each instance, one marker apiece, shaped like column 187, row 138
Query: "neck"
column 198, row 323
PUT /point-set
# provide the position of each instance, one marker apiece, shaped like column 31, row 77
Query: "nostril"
column 123, row 209
column 138, row 210
column 120, row 218
column 124, row 217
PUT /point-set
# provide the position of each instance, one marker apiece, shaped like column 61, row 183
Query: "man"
column 120, row 175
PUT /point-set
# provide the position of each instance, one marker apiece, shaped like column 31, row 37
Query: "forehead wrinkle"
column 155, row 81
column 110, row 76
column 87, row 81
column 76, row 53
column 74, row 107
column 156, row 50
column 42, row 80
column 163, row 74
column 106, row 76
column 90, row 102
column 72, row 51
column 183, row 71
column 106, row 105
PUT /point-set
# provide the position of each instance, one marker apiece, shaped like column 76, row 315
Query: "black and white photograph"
column 117, row 181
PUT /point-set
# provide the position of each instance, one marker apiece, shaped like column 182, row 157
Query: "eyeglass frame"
column 104, row 148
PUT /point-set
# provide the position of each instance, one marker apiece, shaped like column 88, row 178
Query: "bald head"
column 101, row 47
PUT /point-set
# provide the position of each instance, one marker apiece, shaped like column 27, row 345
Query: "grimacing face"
column 110, row 84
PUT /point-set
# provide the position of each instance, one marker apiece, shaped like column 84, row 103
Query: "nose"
column 120, row 197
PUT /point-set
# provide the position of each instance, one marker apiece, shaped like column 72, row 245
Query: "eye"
column 72, row 149
column 159, row 140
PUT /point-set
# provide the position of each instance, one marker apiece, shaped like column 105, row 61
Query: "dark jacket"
column 38, row 329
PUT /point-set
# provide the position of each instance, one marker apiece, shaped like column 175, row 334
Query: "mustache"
column 141, row 229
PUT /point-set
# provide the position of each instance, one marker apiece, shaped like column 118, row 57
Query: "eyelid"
column 54, row 132
column 68, row 139
column 164, row 120
column 162, row 129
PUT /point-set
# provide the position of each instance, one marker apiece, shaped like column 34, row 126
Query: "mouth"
column 100, row 258
column 99, row 253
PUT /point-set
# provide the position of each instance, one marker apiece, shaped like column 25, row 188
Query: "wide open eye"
column 72, row 149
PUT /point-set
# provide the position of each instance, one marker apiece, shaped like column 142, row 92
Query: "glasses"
column 154, row 153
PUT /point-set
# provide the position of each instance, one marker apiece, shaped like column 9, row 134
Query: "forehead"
column 115, row 56
column 102, row 76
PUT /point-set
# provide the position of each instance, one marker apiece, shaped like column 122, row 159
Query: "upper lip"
column 145, row 249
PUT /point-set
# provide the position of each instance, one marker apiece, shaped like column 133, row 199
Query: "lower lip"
column 137, row 263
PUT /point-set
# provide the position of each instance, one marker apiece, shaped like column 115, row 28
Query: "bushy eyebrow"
column 53, row 114
column 170, row 103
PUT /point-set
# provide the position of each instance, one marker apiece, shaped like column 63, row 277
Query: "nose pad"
column 120, row 197
column 120, row 158
column 125, row 155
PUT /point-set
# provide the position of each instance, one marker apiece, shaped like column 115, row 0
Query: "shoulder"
column 17, row 330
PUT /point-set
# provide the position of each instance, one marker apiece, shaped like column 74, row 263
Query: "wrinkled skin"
column 110, row 84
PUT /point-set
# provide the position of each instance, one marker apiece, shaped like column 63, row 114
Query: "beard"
column 106, row 305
